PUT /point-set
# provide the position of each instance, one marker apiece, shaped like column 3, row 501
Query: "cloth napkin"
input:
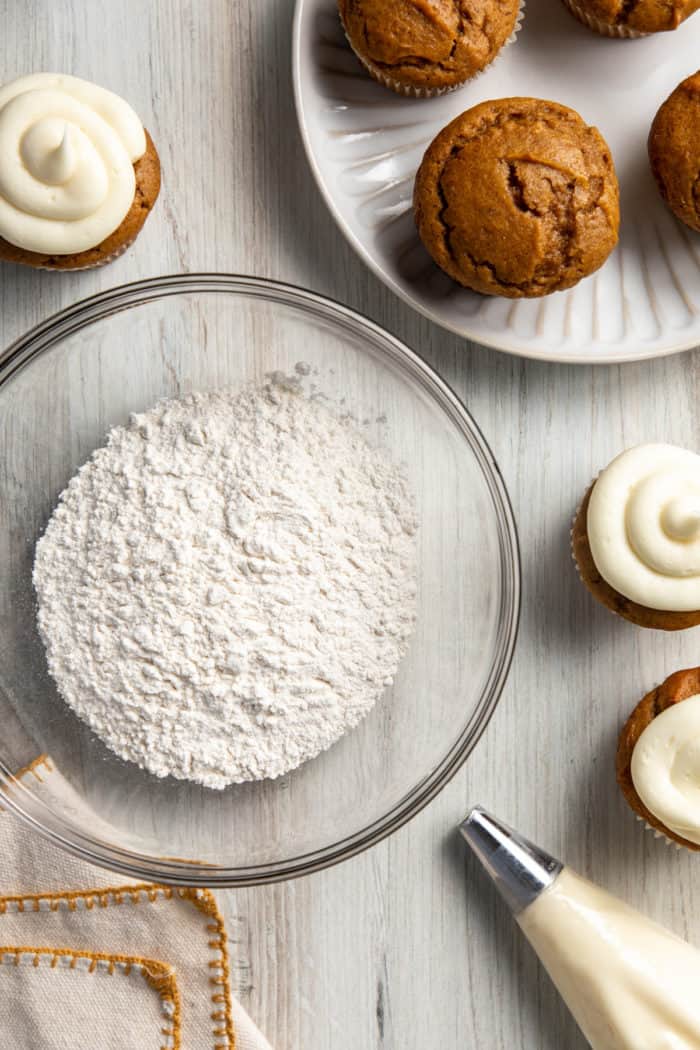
column 89, row 959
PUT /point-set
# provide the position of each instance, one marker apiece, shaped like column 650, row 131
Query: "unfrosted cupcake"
column 78, row 173
column 658, row 759
column 429, row 47
column 636, row 537
column 618, row 18
column 517, row 197
column 674, row 151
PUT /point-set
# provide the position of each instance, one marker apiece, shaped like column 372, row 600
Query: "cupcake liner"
column 86, row 266
column 411, row 90
column 571, row 540
column 21, row 258
column 575, row 560
column 659, row 834
column 600, row 27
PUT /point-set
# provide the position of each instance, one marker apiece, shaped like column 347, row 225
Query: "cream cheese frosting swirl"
column 644, row 527
column 67, row 154
column 666, row 768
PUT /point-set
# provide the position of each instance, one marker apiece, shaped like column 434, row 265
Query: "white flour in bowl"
column 229, row 584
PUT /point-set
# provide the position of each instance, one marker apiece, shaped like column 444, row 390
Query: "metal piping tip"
column 520, row 870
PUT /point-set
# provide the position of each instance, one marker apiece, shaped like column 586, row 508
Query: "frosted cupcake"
column 658, row 759
column 619, row 19
column 79, row 174
column 636, row 537
column 428, row 48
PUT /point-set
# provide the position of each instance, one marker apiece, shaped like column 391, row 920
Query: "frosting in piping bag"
column 630, row 984
column 67, row 151
column 644, row 526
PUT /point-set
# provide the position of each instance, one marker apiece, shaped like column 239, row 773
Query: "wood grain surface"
column 404, row 947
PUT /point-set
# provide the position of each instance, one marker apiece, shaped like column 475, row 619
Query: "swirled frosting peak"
column 48, row 151
column 644, row 527
column 67, row 153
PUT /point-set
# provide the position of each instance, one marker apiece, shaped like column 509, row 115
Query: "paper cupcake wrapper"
column 411, row 90
column 659, row 834
column 600, row 27
column 571, row 541
column 573, row 554
column 86, row 266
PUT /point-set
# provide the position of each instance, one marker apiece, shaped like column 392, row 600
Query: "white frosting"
column 644, row 526
column 630, row 984
column 67, row 153
column 666, row 768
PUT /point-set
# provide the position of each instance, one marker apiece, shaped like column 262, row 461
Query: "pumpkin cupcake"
column 423, row 48
column 78, row 173
column 658, row 759
column 674, row 151
column 517, row 197
column 636, row 537
column 620, row 19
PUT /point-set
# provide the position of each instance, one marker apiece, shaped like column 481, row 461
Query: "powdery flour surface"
column 229, row 584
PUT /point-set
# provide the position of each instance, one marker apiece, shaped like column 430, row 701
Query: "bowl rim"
column 33, row 811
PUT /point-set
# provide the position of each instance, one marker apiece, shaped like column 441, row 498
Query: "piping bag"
column 630, row 983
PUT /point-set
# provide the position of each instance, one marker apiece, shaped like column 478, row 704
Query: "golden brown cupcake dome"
column 680, row 686
column 147, row 173
column 631, row 19
column 518, row 197
column 674, row 151
column 424, row 49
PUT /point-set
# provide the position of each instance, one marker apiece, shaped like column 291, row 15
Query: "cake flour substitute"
column 229, row 584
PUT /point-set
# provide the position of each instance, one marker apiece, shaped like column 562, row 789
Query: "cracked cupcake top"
column 644, row 16
column 518, row 197
column 428, row 43
column 674, row 151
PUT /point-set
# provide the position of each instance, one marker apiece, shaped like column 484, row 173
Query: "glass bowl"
column 86, row 369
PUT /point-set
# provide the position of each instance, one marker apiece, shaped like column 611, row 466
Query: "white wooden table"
column 405, row 947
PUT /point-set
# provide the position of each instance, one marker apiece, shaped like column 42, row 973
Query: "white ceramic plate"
column 364, row 144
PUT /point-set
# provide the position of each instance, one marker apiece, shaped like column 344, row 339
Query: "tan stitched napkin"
column 98, row 960
column 54, row 1000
